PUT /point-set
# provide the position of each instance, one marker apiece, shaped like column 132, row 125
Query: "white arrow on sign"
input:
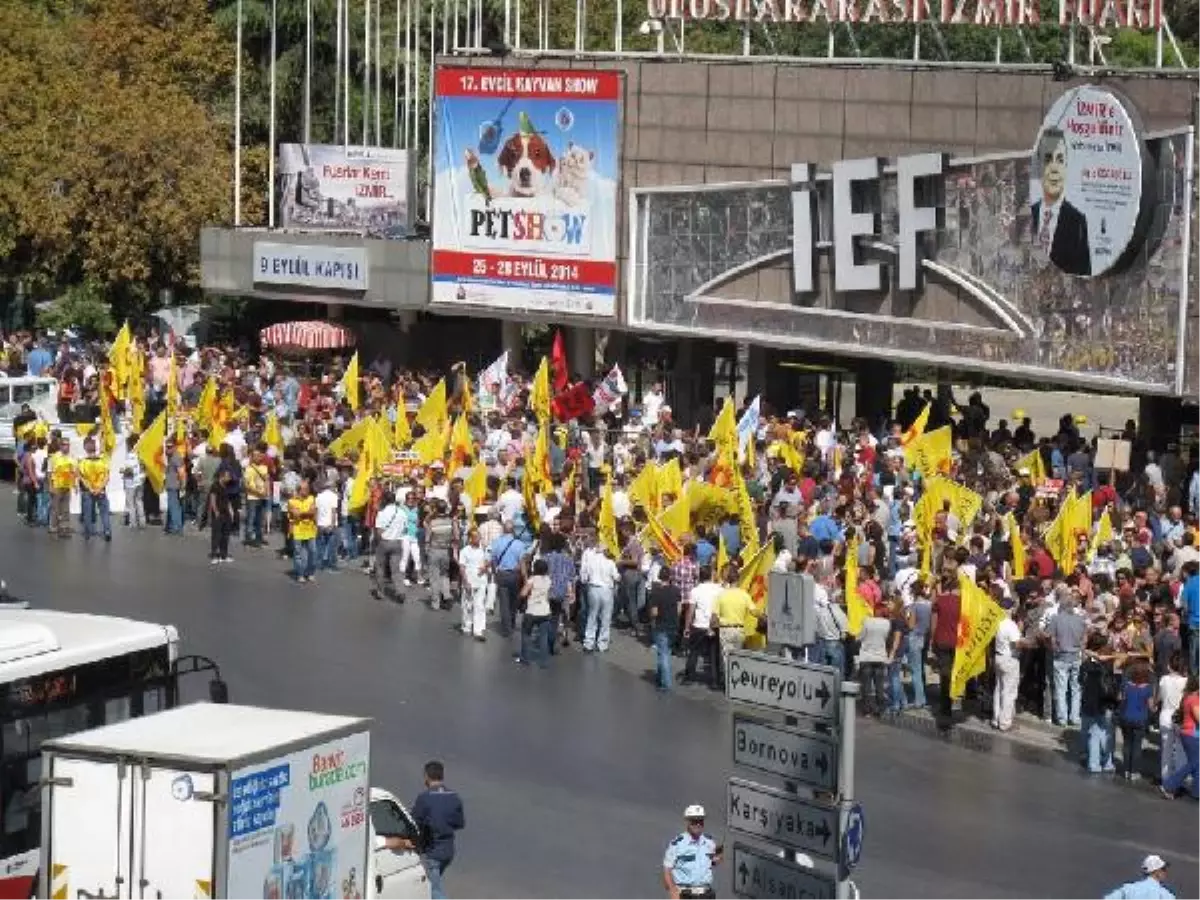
column 782, row 818
column 758, row 874
column 800, row 688
column 800, row 756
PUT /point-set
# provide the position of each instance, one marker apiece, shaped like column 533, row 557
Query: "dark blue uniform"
column 438, row 812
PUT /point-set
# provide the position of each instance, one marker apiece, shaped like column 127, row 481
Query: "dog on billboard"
column 527, row 162
column 1059, row 229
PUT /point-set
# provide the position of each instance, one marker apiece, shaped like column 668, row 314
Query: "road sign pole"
column 849, row 703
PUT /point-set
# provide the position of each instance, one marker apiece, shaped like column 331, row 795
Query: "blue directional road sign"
column 853, row 832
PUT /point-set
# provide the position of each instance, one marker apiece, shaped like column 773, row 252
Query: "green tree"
column 83, row 307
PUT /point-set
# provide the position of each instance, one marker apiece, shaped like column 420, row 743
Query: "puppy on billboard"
column 525, row 190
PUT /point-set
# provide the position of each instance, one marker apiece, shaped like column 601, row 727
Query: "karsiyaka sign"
column 1138, row 14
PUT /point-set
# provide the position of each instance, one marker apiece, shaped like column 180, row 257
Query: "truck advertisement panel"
column 298, row 825
column 526, row 166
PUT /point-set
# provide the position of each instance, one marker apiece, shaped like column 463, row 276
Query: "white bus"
column 61, row 673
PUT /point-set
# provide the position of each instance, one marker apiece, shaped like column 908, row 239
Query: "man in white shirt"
column 699, row 607
column 652, row 403
column 511, row 502
column 1008, row 672
column 391, row 525
column 473, row 565
column 601, row 582
column 327, row 503
column 622, row 507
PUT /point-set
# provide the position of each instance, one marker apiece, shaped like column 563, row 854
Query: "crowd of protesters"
column 1108, row 646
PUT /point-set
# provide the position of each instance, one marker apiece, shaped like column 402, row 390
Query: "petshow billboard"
column 526, row 168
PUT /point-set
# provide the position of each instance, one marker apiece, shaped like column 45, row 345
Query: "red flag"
column 558, row 363
column 574, row 403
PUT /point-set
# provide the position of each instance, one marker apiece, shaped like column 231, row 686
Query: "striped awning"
column 306, row 336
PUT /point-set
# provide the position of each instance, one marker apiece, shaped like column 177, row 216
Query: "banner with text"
column 525, row 197
column 334, row 188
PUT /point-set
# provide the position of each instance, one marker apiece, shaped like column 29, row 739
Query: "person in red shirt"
column 1104, row 494
column 947, row 607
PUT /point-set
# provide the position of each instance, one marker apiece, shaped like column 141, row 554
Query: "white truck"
column 215, row 800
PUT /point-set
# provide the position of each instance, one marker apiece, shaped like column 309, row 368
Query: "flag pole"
column 308, row 42
column 271, row 127
column 237, row 125
column 366, row 100
column 337, row 75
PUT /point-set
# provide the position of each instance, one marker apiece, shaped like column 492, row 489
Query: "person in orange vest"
column 93, row 491
column 62, row 481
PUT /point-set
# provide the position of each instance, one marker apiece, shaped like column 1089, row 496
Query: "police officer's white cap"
column 695, row 811
column 1153, row 863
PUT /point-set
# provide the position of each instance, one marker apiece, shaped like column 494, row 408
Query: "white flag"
column 492, row 382
column 609, row 391
column 747, row 426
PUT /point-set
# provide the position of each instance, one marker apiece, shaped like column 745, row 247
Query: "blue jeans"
column 350, row 536
column 662, row 656
column 1066, row 679
column 43, row 505
column 255, row 514
column 832, row 653
column 1099, row 737
column 92, row 505
column 633, row 594
column 535, row 646
column 434, row 869
column 1193, row 644
column 897, row 700
column 304, row 558
column 174, row 523
column 327, row 544
column 916, row 668
column 1191, row 750
column 599, row 618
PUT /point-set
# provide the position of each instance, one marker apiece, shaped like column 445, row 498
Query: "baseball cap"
column 1153, row 863
column 696, row 811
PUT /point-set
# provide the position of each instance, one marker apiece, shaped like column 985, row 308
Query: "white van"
column 393, row 875
column 42, row 396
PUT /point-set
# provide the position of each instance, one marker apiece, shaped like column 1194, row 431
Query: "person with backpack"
column 1099, row 691
column 1137, row 692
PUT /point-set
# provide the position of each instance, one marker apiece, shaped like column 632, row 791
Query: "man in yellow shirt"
column 62, row 481
column 732, row 608
column 302, row 519
column 256, row 482
column 93, row 491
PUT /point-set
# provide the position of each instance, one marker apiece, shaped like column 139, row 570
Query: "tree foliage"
column 83, row 308
column 113, row 153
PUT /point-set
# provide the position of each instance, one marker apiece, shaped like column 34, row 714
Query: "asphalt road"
column 574, row 779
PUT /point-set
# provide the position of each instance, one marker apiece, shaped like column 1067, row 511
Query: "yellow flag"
column 172, row 388
column 722, row 554
column 206, row 406
column 964, row 504
column 462, row 445
column 1035, row 464
column 857, row 610
column 430, row 446
column 350, row 383
column 401, row 433
column 83, row 429
column 152, row 454
column 118, row 359
column 643, row 489
column 433, row 413
column 930, row 454
column 917, row 428
column 539, row 393
column 1104, row 534
column 753, row 581
column 1016, row 544
column 747, row 520
column 476, row 483
column 670, row 478
column 137, row 391
column 271, row 433
column 677, row 519
column 606, row 526
column 467, row 400
column 978, row 620
column 360, row 487
column 724, row 430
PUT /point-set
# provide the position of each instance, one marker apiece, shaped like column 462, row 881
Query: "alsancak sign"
column 336, row 268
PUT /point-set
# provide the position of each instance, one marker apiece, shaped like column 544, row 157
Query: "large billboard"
column 1067, row 262
column 526, row 167
column 333, row 188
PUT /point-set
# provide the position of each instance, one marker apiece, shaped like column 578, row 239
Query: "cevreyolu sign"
column 526, row 166
column 1138, row 14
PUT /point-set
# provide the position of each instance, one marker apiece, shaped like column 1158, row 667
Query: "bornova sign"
column 1139, row 14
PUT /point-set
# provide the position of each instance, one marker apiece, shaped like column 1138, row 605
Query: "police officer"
column 690, row 857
